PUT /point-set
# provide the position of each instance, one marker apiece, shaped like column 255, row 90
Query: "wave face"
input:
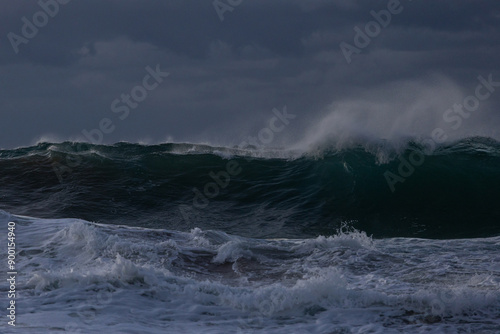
column 453, row 193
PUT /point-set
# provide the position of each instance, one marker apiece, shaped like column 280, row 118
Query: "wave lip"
column 384, row 150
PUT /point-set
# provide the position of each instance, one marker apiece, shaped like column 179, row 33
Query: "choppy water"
column 130, row 239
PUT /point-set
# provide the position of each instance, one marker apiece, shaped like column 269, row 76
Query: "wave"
column 449, row 192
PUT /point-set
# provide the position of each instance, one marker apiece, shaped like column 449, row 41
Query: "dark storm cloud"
column 226, row 76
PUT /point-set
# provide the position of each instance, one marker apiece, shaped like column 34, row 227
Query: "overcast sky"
column 230, row 66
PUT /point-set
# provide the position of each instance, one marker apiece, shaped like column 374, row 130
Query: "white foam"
column 118, row 279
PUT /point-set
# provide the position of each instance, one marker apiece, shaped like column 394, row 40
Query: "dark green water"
column 453, row 193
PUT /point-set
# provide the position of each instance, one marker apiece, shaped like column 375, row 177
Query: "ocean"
column 192, row 238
